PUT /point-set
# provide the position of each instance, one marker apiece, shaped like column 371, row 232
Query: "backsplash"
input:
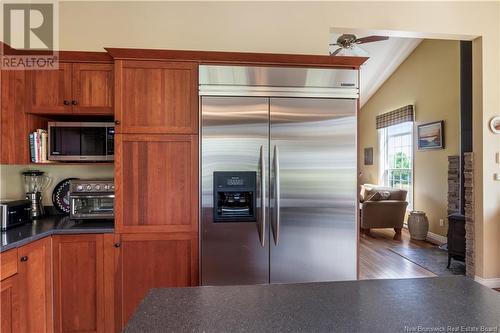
column 13, row 185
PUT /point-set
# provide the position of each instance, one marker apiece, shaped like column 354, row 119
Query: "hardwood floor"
column 376, row 261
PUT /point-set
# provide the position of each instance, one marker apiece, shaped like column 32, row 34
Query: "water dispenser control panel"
column 235, row 196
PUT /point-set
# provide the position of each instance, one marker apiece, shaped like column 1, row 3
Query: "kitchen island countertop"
column 51, row 225
column 441, row 304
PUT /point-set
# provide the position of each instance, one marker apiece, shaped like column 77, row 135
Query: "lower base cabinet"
column 10, row 305
column 91, row 282
column 35, row 286
column 83, row 282
column 148, row 261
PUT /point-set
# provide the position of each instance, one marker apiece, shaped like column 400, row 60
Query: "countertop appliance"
column 14, row 213
column 278, row 174
column 35, row 182
column 81, row 141
column 91, row 199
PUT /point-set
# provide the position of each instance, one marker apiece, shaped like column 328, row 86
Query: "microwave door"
column 73, row 141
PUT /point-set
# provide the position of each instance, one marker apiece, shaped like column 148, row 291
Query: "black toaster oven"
column 14, row 213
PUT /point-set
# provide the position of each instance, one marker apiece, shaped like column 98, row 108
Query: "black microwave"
column 81, row 141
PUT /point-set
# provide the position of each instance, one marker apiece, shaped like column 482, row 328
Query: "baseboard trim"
column 436, row 239
column 490, row 283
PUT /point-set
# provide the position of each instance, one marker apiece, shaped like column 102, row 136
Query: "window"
column 396, row 158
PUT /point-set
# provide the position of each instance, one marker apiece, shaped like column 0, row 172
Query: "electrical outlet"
column 441, row 222
column 496, row 176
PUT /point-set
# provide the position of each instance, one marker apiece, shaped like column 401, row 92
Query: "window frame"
column 384, row 136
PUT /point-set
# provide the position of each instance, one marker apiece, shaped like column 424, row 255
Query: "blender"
column 35, row 182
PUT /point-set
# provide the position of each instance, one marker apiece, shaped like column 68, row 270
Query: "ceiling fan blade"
column 336, row 51
column 334, row 44
column 370, row 39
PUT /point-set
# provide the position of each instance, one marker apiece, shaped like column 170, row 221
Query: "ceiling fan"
column 351, row 42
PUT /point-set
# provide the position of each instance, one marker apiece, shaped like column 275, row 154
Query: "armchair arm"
column 383, row 214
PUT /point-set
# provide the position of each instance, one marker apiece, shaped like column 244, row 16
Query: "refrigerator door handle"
column 277, row 193
column 262, row 229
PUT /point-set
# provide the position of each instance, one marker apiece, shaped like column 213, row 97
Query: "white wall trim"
column 490, row 283
column 436, row 239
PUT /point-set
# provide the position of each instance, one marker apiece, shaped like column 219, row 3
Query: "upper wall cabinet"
column 156, row 97
column 92, row 88
column 49, row 91
column 79, row 88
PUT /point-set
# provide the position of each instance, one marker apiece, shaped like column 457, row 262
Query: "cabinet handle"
column 117, row 244
column 117, row 122
column 74, row 102
column 66, row 102
column 24, row 258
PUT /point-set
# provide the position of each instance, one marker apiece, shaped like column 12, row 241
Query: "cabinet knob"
column 117, row 122
column 66, row 102
column 24, row 258
column 74, row 102
column 117, row 244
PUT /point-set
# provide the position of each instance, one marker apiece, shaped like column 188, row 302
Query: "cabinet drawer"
column 8, row 261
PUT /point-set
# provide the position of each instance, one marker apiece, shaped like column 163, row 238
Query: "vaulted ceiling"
column 384, row 58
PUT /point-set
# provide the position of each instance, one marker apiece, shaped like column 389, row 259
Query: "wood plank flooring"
column 376, row 261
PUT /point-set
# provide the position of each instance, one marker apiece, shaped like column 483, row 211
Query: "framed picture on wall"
column 369, row 156
column 431, row 135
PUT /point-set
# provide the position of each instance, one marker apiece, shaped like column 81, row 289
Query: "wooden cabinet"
column 10, row 305
column 92, row 88
column 159, row 260
column 156, row 180
column 79, row 283
column 35, row 286
column 49, row 91
column 75, row 88
column 156, row 97
column 9, row 301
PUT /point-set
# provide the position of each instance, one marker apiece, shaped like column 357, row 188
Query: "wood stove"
column 456, row 238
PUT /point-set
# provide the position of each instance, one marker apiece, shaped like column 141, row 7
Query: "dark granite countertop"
column 51, row 225
column 407, row 305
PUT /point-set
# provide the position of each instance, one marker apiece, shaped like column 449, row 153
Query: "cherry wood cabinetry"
column 92, row 88
column 35, row 286
column 9, row 301
column 49, row 91
column 75, row 88
column 14, row 123
column 156, row 180
column 79, row 283
column 10, row 305
column 156, row 97
column 159, row 260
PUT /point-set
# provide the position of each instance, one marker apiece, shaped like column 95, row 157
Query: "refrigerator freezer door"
column 315, row 142
column 234, row 139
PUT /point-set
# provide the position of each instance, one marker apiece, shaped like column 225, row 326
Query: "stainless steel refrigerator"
column 278, row 174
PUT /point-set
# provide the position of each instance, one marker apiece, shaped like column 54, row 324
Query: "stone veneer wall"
column 469, row 213
column 453, row 184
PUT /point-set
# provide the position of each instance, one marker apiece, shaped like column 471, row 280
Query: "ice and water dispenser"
column 235, row 196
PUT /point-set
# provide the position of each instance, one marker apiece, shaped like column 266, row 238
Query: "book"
column 32, row 147
column 43, row 145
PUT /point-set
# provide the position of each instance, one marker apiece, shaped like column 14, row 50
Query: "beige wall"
column 303, row 27
column 13, row 185
column 430, row 80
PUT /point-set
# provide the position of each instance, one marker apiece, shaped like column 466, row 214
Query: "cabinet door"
column 49, row 91
column 78, row 283
column 156, row 97
column 35, row 286
column 92, row 89
column 154, row 261
column 10, row 305
column 156, row 183
column 13, row 132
